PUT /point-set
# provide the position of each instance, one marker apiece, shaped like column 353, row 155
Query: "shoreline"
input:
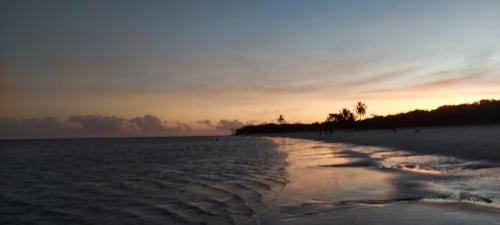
column 357, row 184
column 477, row 142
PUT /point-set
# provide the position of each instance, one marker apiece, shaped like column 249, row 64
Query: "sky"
column 206, row 67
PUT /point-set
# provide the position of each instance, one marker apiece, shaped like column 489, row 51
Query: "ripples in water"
column 238, row 180
column 138, row 181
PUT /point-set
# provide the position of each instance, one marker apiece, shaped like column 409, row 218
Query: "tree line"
column 481, row 112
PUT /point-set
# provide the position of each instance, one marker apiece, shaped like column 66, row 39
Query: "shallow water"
column 239, row 180
column 352, row 184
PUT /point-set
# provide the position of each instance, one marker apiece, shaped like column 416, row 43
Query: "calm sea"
column 239, row 180
column 192, row 180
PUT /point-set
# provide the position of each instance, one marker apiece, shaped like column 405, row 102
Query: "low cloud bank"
column 230, row 125
column 107, row 126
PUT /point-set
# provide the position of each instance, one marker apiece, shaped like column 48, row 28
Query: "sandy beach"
column 469, row 142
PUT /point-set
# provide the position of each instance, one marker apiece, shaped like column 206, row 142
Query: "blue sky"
column 248, row 60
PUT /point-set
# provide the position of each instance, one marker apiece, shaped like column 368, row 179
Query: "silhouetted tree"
column 331, row 118
column 361, row 109
column 482, row 112
column 342, row 119
column 281, row 119
column 346, row 115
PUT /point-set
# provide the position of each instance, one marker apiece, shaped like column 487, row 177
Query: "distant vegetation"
column 481, row 112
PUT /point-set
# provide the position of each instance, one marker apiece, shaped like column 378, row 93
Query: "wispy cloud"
column 381, row 77
column 433, row 85
column 207, row 123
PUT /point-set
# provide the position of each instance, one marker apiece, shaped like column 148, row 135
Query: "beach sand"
column 468, row 142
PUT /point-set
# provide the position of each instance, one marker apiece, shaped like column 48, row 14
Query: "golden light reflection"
column 314, row 183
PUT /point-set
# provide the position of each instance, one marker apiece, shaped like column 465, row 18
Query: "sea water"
column 239, row 180
column 193, row 180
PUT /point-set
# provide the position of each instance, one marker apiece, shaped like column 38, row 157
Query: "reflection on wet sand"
column 350, row 184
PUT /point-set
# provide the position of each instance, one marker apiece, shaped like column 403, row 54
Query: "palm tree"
column 345, row 115
column 361, row 109
column 332, row 117
column 281, row 119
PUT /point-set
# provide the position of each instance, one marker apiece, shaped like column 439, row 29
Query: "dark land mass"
column 477, row 113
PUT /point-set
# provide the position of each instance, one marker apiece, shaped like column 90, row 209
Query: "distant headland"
column 480, row 112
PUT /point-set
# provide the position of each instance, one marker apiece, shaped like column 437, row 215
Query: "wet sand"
column 352, row 184
column 470, row 142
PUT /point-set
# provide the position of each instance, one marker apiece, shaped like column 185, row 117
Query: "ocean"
column 193, row 180
column 238, row 180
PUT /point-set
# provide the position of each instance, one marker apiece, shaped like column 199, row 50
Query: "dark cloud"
column 37, row 127
column 207, row 123
column 149, row 123
column 91, row 126
column 101, row 125
column 229, row 125
column 182, row 127
column 253, row 122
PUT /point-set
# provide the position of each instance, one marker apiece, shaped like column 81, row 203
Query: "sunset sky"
column 192, row 61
